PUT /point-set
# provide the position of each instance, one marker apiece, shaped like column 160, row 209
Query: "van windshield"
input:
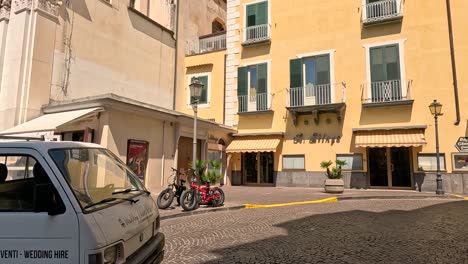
column 96, row 175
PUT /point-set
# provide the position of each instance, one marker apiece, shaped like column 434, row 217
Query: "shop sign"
column 316, row 138
column 462, row 144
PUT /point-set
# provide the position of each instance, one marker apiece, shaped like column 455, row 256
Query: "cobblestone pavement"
column 358, row 231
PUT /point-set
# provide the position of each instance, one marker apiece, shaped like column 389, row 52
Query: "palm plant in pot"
column 334, row 183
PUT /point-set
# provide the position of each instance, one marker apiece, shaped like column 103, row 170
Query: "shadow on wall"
column 77, row 6
column 371, row 116
column 255, row 51
column 150, row 28
column 361, row 237
column 257, row 122
column 378, row 31
column 199, row 69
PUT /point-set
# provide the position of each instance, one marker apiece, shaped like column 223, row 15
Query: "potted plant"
column 334, row 183
column 212, row 174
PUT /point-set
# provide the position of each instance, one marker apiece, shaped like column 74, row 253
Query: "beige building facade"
column 99, row 71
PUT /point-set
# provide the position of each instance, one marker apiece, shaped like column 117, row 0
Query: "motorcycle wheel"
column 189, row 200
column 165, row 198
column 220, row 200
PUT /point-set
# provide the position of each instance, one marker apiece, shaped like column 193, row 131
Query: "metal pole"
column 194, row 155
column 439, row 189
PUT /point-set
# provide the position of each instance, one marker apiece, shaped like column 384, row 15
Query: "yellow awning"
column 390, row 138
column 253, row 144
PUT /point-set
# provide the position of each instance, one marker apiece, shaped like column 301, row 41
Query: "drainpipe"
column 163, row 158
column 224, row 92
column 176, row 27
column 454, row 66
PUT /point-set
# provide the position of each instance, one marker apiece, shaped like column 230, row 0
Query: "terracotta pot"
column 334, row 185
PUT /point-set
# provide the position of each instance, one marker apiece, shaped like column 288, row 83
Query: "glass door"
column 400, row 167
column 250, row 167
column 258, row 168
column 390, row 167
column 378, row 167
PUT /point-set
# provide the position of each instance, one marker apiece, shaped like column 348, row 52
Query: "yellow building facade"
column 307, row 81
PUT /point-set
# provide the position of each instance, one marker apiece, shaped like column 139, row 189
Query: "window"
column 252, row 88
column 353, row 161
column 216, row 156
column 385, row 73
column 310, row 80
column 293, row 162
column 205, row 78
column 460, row 161
column 428, row 162
column 257, row 21
column 19, row 176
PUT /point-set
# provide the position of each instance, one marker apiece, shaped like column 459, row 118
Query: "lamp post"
column 436, row 111
column 196, row 87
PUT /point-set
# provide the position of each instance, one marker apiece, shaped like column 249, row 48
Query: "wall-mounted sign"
column 137, row 157
column 317, row 138
column 462, row 144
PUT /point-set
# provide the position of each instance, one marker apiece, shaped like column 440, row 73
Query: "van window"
column 19, row 176
column 95, row 175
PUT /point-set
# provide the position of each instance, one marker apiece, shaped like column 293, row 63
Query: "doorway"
column 258, row 168
column 390, row 167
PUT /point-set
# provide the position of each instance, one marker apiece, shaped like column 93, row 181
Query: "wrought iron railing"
column 256, row 33
column 315, row 95
column 386, row 91
column 382, row 10
column 206, row 44
column 258, row 102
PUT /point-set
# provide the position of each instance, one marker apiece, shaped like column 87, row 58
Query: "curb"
column 399, row 197
column 197, row 212
column 255, row 206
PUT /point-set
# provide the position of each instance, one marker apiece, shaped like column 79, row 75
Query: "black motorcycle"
column 166, row 197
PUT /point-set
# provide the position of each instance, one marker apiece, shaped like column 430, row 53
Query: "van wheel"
column 189, row 200
column 165, row 198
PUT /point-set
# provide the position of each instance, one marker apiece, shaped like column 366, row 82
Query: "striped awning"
column 390, row 138
column 255, row 144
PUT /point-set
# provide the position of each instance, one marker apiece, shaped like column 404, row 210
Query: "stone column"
column 29, row 41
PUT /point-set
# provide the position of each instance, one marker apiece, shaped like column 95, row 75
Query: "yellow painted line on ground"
column 326, row 200
column 460, row 196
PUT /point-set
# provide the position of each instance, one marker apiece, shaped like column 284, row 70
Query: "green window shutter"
column 295, row 73
column 242, row 81
column 262, row 13
column 262, row 78
column 392, row 62
column 204, row 95
column 322, row 69
column 251, row 15
column 377, row 64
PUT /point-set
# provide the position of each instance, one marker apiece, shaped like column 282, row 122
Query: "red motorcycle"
column 196, row 195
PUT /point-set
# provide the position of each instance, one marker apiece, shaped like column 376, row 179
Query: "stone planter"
column 334, row 185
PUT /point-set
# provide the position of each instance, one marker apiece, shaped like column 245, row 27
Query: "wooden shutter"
column 262, row 78
column 204, row 94
column 251, row 15
column 295, row 73
column 262, row 13
column 392, row 62
column 377, row 64
column 322, row 68
column 242, row 81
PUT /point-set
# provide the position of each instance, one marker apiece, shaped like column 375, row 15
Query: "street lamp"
column 196, row 87
column 436, row 111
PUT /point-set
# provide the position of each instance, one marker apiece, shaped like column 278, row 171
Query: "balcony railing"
column 382, row 11
column 206, row 44
column 386, row 92
column 256, row 34
column 315, row 95
column 253, row 103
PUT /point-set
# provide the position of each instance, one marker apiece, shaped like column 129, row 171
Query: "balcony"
column 208, row 43
column 386, row 93
column 381, row 12
column 256, row 35
column 316, row 99
column 255, row 104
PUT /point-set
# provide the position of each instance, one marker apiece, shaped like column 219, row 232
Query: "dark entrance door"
column 258, row 167
column 390, row 167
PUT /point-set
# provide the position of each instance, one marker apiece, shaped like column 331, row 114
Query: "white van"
column 70, row 202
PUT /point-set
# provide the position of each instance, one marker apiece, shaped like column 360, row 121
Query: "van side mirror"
column 46, row 199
